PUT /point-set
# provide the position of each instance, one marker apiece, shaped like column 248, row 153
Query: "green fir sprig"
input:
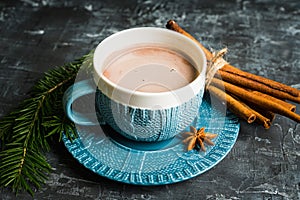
column 26, row 132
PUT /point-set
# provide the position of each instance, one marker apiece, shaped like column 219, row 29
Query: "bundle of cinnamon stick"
column 251, row 97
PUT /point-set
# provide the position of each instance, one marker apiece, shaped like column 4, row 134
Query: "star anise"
column 198, row 137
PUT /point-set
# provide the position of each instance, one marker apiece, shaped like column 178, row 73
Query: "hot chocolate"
column 150, row 69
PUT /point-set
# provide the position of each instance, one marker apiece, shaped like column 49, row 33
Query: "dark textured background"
column 263, row 38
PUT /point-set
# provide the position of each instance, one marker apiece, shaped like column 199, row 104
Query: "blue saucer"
column 108, row 154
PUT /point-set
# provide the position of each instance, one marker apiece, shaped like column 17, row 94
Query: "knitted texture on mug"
column 144, row 124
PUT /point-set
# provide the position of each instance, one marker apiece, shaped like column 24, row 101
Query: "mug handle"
column 75, row 91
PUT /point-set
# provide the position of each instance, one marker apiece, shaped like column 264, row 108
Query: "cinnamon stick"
column 287, row 105
column 260, row 118
column 266, row 113
column 263, row 117
column 235, row 106
column 270, row 115
column 172, row 25
column 267, row 106
column 268, row 82
column 248, row 96
column 236, row 79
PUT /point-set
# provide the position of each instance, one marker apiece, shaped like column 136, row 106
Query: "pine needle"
column 25, row 133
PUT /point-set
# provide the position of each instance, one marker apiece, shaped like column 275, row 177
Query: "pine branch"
column 25, row 133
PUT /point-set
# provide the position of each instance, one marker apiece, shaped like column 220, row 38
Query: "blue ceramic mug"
column 141, row 116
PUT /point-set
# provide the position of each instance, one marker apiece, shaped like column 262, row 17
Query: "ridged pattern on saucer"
column 170, row 164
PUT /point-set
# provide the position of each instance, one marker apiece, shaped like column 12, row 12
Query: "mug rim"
column 139, row 98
